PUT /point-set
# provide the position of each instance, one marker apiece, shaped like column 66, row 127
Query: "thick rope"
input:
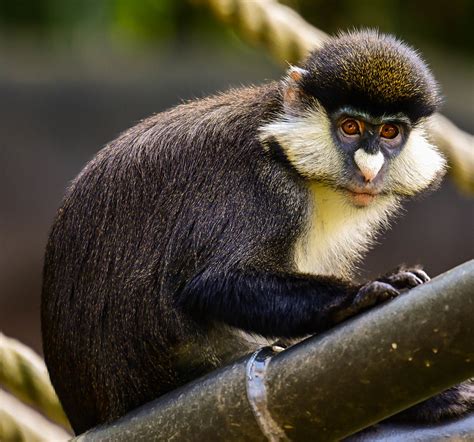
column 18, row 422
column 24, row 374
column 290, row 38
column 282, row 30
column 458, row 146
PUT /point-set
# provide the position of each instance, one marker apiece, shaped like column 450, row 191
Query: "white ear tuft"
column 296, row 73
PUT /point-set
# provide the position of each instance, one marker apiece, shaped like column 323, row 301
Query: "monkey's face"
column 367, row 145
column 356, row 118
column 383, row 155
column 362, row 157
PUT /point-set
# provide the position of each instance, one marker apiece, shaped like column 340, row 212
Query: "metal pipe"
column 378, row 363
column 332, row 385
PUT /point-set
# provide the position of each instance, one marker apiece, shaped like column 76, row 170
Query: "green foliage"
column 149, row 21
column 146, row 19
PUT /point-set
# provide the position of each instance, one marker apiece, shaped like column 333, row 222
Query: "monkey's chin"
column 361, row 199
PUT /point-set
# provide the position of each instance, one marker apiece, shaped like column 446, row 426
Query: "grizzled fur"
column 174, row 253
column 181, row 223
column 166, row 219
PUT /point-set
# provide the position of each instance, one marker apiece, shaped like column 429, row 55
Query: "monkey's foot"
column 405, row 278
column 456, row 401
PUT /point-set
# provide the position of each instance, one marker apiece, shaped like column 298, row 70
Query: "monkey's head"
column 356, row 117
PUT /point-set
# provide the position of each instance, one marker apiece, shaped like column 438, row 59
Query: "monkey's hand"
column 405, row 278
column 369, row 295
column 383, row 289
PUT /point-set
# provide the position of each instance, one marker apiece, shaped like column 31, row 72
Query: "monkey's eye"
column 350, row 127
column 389, row 131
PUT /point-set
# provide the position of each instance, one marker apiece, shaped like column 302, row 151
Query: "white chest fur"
column 338, row 233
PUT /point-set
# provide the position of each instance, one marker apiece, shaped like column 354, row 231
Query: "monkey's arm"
column 277, row 304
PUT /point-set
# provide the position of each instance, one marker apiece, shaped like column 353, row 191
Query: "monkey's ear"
column 296, row 74
column 292, row 93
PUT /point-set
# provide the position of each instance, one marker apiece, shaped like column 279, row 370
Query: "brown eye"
column 350, row 127
column 389, row 131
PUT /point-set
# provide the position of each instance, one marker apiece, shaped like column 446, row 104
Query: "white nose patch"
column 368, row 164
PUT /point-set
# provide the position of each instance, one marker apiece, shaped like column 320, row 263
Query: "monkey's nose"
column 369, row 164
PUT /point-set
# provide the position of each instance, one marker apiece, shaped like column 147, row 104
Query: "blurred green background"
column 441, row 23
column 74, row 74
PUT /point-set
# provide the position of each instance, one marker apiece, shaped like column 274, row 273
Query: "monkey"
column 226, row 223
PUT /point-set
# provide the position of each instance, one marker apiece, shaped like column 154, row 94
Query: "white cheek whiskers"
column 307, row 143
column 417, row 166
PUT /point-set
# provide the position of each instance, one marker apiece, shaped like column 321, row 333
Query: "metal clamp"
column 257, row 393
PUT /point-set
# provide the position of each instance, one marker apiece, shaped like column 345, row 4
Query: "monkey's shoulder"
column 207, row 138
column 227, row 114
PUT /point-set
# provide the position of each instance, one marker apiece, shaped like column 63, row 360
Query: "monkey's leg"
column 278, row 305
column 455, row 401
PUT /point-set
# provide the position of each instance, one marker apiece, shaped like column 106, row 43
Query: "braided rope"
column 281, row 29
column 289, row 37
column 458, row 146
column 18, row 422
column 24, row 374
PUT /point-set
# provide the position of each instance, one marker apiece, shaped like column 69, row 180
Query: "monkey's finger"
column 421, row 274
column 404, row 280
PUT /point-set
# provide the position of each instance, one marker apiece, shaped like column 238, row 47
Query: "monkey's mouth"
column 362, row 197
